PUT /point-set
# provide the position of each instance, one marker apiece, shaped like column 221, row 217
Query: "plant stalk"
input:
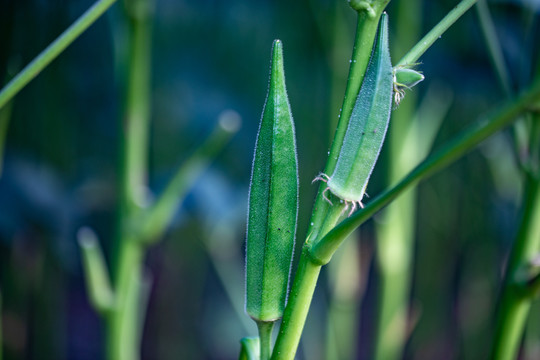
column 265, row 338
column 396, row 234
column 50, row 53
column 515, row 304
column 125, row 322
column 425, row 43
column 297, row 308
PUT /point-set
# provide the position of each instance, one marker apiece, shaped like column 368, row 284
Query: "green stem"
column 137, row 114
column 265, row 338
column 249, row 349
column 468, row 140
column 420, row 48
column 395, row 235
column 53, row 50
column 157, row 217
column 297, row 308
column 514, row 306
column 494, row 47
column 125, row 322
column 497, row 59
column 96, row 273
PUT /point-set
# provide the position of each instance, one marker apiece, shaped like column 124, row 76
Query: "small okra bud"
column 367, row 127
column 405, row 78
column 273, row 202
column 249, row 348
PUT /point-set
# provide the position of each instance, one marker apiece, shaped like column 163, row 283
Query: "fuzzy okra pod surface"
column 273, row 202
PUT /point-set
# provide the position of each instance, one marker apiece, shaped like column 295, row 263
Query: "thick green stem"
column 265, row 338
column 514, row 304
column 53, row 50
column 420, row 48
column 136, row 124
column 297, row 308
column 125, row 322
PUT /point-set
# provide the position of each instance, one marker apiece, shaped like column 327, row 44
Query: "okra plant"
column 375, row 87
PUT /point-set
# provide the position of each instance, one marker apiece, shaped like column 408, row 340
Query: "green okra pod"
column 273, row 202
column 367, row 127
column 405, row 77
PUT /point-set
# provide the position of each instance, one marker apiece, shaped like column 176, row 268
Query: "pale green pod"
column 367, row 126
column 273, row 202
column 407, row 77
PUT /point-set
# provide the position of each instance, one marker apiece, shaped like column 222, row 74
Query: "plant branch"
column 297, row 308
column 323, row 250
column 420, row 48
column 95, row 269
column 125, row 322
column 493, row 45
column 514, row 303
column 53, row 50
column 156, row 219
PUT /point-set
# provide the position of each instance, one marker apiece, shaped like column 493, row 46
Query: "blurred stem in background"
column 346, row 289
column 344, row 274
column 515, row 303
column 65, row 39
column 124, row 323
column 123, row 304
column 396, row 231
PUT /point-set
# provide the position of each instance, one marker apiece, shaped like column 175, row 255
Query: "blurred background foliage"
column 211, row 59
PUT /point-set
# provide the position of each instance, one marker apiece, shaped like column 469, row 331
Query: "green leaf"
column 273, row 202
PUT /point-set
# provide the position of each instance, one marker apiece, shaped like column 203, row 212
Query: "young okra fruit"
column 367, row 127
column 405, row 77
column 273, row 202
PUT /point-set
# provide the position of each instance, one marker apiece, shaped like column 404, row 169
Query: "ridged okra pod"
column 367, row 127
column 273, row 202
